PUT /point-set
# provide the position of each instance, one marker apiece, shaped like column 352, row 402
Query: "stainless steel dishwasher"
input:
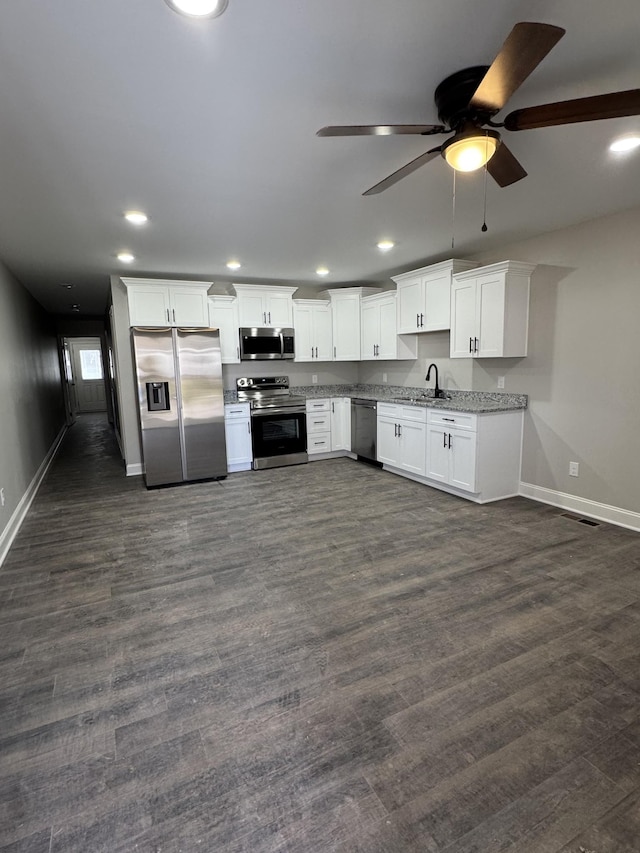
column 364, row 428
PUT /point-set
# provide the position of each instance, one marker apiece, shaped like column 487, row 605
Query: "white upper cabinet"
column 424, row 297
column 223, row 315
column 312, row 324
column 490, row 311
column 265, row 305
column 346, row 321
column 379, row 337
column 159, row 302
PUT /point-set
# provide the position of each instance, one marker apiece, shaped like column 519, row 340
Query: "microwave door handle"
column 281, row 336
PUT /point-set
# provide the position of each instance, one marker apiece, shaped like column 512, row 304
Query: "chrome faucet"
column 438, row 392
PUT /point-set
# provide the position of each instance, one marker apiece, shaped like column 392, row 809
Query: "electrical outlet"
column 1, row 497
column 384, row 377
column 574, row 469
column 314, row 378
column 500, row 381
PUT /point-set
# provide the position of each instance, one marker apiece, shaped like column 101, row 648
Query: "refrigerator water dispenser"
column 158, row 396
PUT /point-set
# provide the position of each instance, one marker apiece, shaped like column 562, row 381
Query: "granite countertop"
column 473, row 402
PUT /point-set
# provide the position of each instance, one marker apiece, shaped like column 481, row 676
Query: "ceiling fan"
column 468, row 100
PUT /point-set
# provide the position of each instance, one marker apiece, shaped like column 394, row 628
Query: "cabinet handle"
column 168, row 317
column 334, row 352
column 444, row 439
column 395, row 428
column 235, row 411
column 470, row 344
column 311, row 352
column 174, row 315
column 399, row 430
column 450, row 420
column 269, row 317
column 316, row 352
column 316, row 443
column 249, row 427
column 449, row 441
column 238, row 353
column 421, row 320
column 417, row 321
column 476, row 345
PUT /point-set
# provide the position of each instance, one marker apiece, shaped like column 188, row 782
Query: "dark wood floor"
column 312, row 659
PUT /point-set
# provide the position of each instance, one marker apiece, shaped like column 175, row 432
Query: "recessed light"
column 126, row 257
column 234, row 265
column 136, row 217
column 322, row 271
column 625, row 143
column 75, row 307
column 385, row 245
column 66, row 285
column 198, row 8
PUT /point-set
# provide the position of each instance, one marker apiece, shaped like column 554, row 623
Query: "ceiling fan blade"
column 403, row 172
column 504, row 168
column 524, row 49
column 614, row 105
column 380, row 129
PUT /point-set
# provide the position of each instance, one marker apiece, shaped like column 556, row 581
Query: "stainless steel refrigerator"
column 180, row 403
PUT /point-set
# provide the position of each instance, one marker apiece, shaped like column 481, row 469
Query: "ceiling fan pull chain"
column 484, row 228
column 453, row 212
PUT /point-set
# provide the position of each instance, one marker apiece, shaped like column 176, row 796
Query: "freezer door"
column 159, row 425
column 202, row 402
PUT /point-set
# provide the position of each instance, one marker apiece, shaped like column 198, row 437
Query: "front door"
column 88, row 374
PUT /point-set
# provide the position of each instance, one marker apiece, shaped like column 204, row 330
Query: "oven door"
column 279, row 437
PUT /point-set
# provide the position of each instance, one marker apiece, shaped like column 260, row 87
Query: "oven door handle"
column 286, row 410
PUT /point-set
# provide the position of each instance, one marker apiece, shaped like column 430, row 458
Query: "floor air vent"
column 588, row 521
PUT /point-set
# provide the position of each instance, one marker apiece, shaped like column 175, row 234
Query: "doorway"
column 87, row 370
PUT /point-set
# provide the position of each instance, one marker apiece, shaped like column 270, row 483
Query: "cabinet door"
column 322, row 333
column 224, row 316
column 149, row 305
column 437, row 302
column 346, row 328
column 410, row 306
column 490, row 301
column 303, row 323
column 388, row 441
column 238, row 438
column 463, row 318
column 370, row 330
column 251, row 309
column 462, row 464
column 341, row 423
column 437, row 462
column 279, row 310
column 189, row 306
column 388, row 338
column 414, row 450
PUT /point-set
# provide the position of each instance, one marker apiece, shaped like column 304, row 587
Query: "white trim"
column 134, row 469
column 582, row 506
column 20, row 513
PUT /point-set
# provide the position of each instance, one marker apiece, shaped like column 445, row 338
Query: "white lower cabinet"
column 318, row 426
column 402, row 437
column 341, row 423
column 451, row 449
column 237, row 432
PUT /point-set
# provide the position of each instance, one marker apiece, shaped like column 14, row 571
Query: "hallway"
column 312, row 659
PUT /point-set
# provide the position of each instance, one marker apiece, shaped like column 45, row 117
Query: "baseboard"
column 135, row 469
column 582, row 506
column 19, row 514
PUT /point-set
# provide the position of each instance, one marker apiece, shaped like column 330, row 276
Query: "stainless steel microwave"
column 258, row 344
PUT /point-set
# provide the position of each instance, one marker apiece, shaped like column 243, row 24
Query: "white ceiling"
column 209, row 126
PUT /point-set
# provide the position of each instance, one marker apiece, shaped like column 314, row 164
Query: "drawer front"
column 318, row 422
column 236, row 410
column 318, row 442
column 459, row 420
column 389, row 410
column 417, row 414
column 314, row 406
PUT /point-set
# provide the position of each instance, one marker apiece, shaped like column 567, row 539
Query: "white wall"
column 583, row 367
column 31, row 403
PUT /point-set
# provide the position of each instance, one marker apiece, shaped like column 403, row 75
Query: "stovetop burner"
column 264, row 392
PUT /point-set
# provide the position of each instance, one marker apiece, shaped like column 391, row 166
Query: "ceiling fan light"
column 466, row 152
column 198, row 8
